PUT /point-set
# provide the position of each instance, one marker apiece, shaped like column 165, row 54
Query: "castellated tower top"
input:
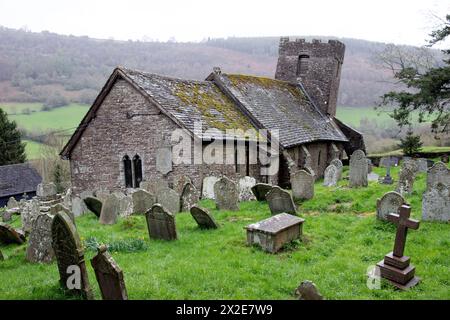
column 316, row 65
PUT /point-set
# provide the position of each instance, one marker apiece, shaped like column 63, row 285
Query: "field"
column 342, row 238
column 353, row 116
column 32, row 149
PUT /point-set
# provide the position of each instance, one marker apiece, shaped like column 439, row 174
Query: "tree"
column 12, row 150
column 427, row 88
column 411, row 144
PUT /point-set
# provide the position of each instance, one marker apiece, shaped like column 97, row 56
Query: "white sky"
column 397, row 21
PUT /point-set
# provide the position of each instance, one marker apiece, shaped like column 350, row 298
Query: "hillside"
column 56, row 69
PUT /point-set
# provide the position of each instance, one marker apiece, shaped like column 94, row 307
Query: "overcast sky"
column 397, row 21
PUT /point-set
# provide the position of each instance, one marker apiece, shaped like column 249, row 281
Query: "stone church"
column 125, row 137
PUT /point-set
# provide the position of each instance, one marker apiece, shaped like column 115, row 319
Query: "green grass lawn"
column 67, row 117
column 342, row 238
column 20, row 107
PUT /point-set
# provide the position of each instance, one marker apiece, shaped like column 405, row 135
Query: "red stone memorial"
column 396, row 267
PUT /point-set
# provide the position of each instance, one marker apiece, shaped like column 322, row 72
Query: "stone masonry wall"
column 322, row 69
column 128, row 124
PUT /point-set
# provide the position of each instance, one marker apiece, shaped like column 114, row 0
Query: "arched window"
column 137, row 166
column 127, row 171
column 302, row 64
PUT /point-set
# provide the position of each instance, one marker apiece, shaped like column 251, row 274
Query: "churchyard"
column 341, row 239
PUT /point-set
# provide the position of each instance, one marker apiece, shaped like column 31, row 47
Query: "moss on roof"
column 216, row 109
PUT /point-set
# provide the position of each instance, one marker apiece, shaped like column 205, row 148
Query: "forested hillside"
column 56, row 69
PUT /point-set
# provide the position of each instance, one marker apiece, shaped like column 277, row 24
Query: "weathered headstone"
column 444, row 158
column 109, row 276
column 302, row 183
column 101, row 195
column 280, row 201
column 436, row 198
column 10, row 235
column 331, row 176
column 260, row 190
column 422, row 165
column 40, row 242
column 152, row 186
column 369, row 166
column 94, row 205
column 189, row 197
column 78, row 206
column 245, row 185
column 69, row 255
column 358, row 170
column 60, row 207
column 12, row 203
column 390, row 202
column 161, row 223
column 208, row 187
column 387, row 179
column 396, row 267
column 125, row 204
column 410, row 164
column 180, row 182
column 226, row 194
column 46, row 191
column 169, row 199
column 274, row 232
column 203, row 218
column 405, row 180
column 110, row 210
column 338, row 164
column 373, row 177
column 142, row 201
column 307, row 290
column 30, row 212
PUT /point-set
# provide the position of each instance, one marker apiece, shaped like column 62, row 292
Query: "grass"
column 32, row 149
column 12, row 108
column 342, row 238
column 67, row 117
column 426, row 149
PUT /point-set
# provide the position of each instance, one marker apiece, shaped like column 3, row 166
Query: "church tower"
column 316, row 65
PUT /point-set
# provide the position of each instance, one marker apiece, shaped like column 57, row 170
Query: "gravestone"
column 405, row 180
column 30, row 212
column 69, row 255
column 40, row 242
column 307, row 290
column 169, row 199
column 280, row 201
column 67, row 199
column 12, row 203
column 78, row 206
column 245, row 185
column 7, row 215
column 330, row 176
column 390, row 202
column 385, row 162
column 274, row 232
column 161, row 223
column 373, row 177
column 109, row 275
column 110, row 210
column 338, row 164
column 10, row 235
column 387, row 179
column 164, row 160
column 444, row 158
column 410, row 164
column 46, row 191
column 180, row 182
column 94, row 205
column 142, row 201
column 203, row 218
column 226, row 194
column 260, row 190
column 436, row 198
column 358, row 170
column 125, row 204
column 302, row 183
column 422, row 165
column 208, row 187
column 189, row 197
column 60, row 207
column 396, row 267
column 369, row 166
column 154, row 185
column 101, row 195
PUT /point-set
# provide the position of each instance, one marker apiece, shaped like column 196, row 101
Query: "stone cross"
column 403, row 223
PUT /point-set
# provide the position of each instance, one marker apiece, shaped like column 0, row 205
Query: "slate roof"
column 190, row 101
column 281, row 105
column 17, row 179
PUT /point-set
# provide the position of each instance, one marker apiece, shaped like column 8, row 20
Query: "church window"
column 302, row 65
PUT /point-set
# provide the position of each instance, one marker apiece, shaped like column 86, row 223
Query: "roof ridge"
column 146, row 73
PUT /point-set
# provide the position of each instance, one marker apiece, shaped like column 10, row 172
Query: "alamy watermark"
column 235, row 146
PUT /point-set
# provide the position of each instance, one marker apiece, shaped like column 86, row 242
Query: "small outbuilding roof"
column 18, row 179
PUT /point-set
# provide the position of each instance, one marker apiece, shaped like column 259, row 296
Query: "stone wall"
column 320, row 73
column 128, row 124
